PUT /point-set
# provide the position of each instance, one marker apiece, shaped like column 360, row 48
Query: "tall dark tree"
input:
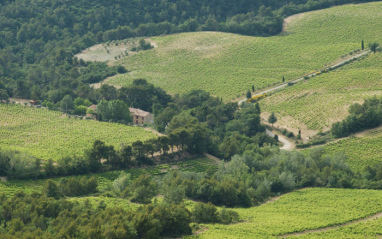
column 272, row 118
column 248, row 95
column 374, row 46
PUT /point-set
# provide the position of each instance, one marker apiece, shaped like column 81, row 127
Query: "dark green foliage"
column 272, row 118
column 143, row 189
column 99, row 151
column 113, row 111
column 361, row 117
column 51, row 218
column 4, row 95
column 73, row 187
column 374, row 46
column 248, row 95
column 143, row 95
column 52, row 190
column 205, row 213
column 67, row 104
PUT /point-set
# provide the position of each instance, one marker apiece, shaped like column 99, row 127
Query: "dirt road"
column 287, row 144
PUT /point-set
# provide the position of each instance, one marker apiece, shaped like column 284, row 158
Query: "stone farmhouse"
column 138, row 116
column 141, row 117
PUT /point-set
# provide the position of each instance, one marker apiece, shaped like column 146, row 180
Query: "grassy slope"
column 362, row 150
column 47, row 134
column 325, row 99
column 370, row 229
column 227, row 65
column 299, row 211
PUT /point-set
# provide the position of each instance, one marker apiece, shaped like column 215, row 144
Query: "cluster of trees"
column 365, row 116
column 252, row 178
column 49, row 215
column 113, row 103
column 52, row 218
column 227, row 129
column 71, row 187
column 114, row 111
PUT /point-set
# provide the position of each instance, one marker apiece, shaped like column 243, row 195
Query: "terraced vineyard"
column 325, row 99
column 227, row 65
column 361, row 150
column 48, row 134
column 299, row 211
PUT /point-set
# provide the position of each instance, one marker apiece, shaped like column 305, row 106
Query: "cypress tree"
column 249, row 95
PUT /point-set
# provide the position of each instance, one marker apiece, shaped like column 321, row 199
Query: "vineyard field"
column 369, row 229
column 49, row 134
column 299, row 211
column 227, row 65
column 361, row 150
column 322, row 100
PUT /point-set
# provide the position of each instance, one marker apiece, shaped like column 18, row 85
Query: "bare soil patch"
column 3, row 179
column 108, row 52
column 292, row 125
column 289, row 19
column 217, row 160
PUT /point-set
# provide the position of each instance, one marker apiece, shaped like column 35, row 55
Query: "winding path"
column 339, row 64
column 287, row 144
column 329, row 228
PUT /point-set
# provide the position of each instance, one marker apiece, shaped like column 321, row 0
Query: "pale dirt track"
column 338, row 64
column 325, row 229
column 287, row 144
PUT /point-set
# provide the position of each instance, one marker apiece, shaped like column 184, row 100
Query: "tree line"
column 365, row 116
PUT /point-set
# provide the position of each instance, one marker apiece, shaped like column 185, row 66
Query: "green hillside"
column 299, row 211
column 369, row 229
column 362, row 149
column 49, row 134
column 227, row 65
column 327, row 96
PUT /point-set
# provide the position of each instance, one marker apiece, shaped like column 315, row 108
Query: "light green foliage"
column 105, row 201
column 299, row 211
column 48, row 134
column 227, row 64
column 361, row 150
column 106, row 179
column 325, row 99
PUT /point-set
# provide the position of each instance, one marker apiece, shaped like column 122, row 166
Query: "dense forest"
column 38, row 39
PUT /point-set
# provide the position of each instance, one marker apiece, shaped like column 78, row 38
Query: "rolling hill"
column 227, row 65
